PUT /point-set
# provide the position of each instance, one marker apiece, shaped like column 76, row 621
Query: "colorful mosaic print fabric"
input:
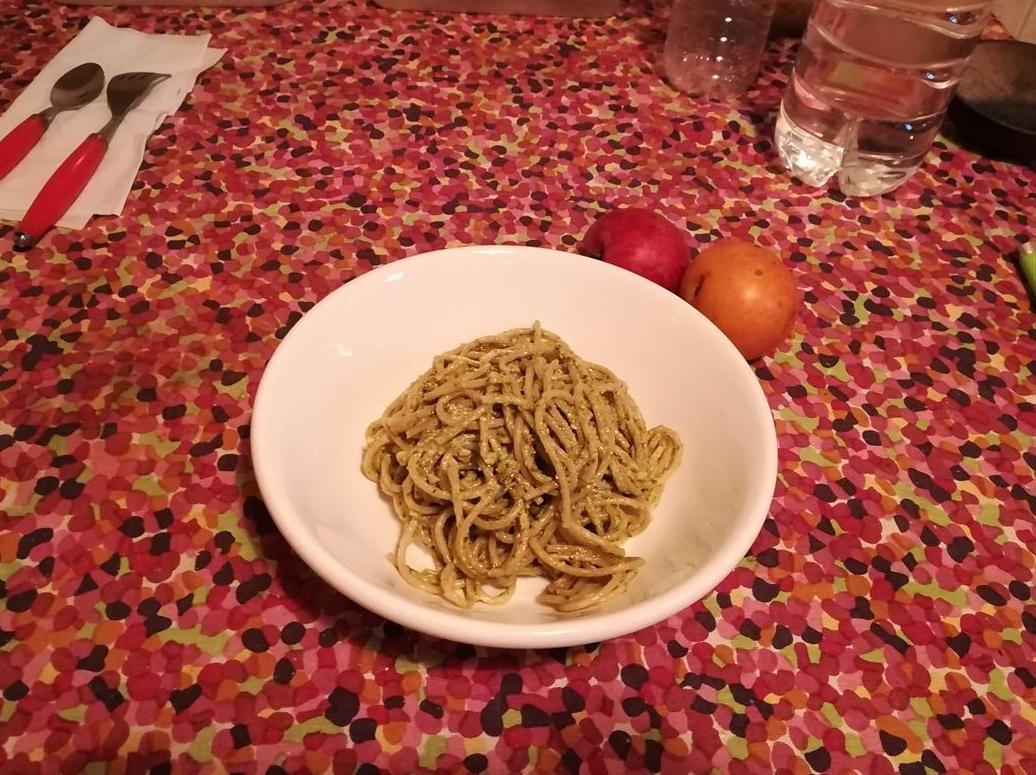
column 152, row 619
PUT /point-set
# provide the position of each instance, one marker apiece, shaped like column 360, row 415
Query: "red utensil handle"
column 60, row 191
column 19, row 141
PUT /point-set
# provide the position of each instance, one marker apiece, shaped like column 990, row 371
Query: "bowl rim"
column 457, row 626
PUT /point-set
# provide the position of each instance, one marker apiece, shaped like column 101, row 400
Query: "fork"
column 125, row 92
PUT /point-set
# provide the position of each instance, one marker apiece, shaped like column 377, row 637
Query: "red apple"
column 641, row 241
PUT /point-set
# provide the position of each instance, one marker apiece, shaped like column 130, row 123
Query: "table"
column 152, row 618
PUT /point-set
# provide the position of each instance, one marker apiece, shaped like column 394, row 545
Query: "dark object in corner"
column 995, row 105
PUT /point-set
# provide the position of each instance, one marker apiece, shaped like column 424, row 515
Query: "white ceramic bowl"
column 356, row 350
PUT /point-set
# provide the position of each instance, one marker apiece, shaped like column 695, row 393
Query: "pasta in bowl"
column 545, row 484
column 512, row 456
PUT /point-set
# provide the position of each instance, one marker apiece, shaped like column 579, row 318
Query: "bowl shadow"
column 338, row 619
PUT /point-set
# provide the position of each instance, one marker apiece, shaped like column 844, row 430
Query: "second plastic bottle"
column 713, row 47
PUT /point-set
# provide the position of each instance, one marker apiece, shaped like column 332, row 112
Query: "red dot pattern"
column 152, row 619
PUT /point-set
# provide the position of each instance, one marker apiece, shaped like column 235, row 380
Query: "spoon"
column 73, row 90
column 125, row 92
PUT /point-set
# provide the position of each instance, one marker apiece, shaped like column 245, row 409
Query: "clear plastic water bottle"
column 871, row 86
column 713, row 47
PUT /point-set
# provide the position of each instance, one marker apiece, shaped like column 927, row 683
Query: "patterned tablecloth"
column 153, row 620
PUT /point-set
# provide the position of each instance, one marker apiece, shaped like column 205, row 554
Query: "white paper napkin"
column 117, row 50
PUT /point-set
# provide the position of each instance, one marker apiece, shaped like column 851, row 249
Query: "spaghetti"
column 513, row 457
